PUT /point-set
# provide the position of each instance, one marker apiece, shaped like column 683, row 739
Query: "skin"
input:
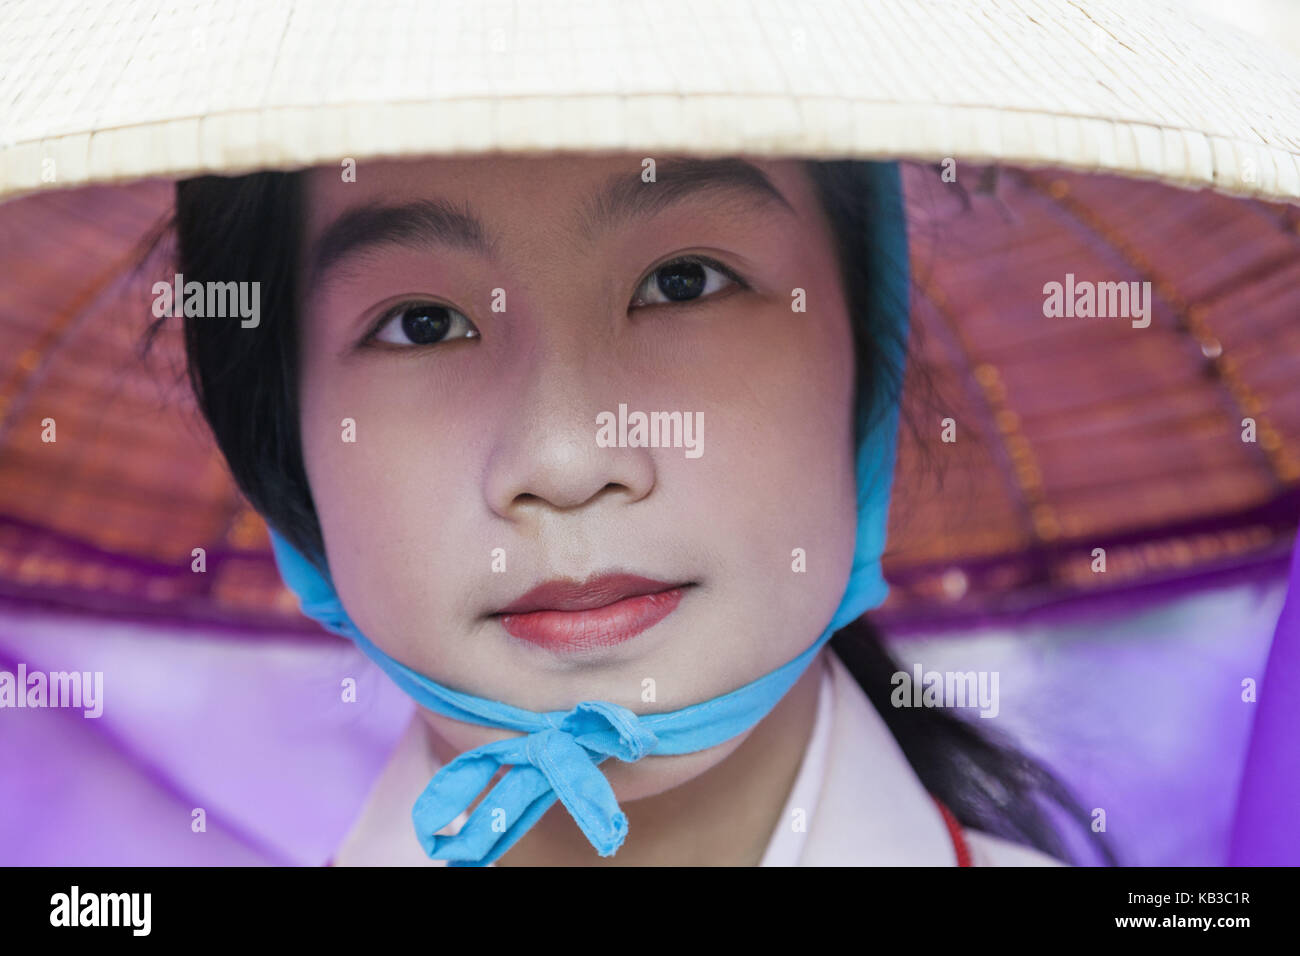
column 489, row 442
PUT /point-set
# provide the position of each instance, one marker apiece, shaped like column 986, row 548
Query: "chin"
column 654, row 775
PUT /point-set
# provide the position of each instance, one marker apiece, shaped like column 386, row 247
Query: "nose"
column 546, row 456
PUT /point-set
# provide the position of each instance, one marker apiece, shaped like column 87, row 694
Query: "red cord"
column 954, row 831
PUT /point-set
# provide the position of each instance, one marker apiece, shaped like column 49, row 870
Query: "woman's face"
column 482, row 322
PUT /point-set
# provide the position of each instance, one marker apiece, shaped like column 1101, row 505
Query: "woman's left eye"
column 685, row 280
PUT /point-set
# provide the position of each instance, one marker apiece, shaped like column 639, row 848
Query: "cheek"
column 391, row 490
column 778, row 477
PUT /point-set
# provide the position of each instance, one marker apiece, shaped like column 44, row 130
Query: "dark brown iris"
column 680, row 281
column 426, row 324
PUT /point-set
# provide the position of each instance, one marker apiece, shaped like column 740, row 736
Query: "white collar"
column 874, row 810
column 786, row 845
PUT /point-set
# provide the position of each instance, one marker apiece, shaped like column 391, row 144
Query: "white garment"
column 862, row 803
column 787, row 841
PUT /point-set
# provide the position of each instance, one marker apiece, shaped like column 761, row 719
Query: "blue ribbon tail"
column 572, row 773
column 505, row 815
column 454, row 787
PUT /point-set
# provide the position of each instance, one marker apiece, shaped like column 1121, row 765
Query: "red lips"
column 600, row 612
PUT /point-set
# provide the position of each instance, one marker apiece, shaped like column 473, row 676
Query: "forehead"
column 582, row 195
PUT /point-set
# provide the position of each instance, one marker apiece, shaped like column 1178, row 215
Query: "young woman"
column 437, row 415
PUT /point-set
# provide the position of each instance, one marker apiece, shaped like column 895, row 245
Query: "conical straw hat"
column 109, row 91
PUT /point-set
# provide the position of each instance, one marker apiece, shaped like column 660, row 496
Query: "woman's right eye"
column 423, row 323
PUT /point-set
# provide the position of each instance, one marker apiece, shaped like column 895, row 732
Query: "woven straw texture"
column 114, row 90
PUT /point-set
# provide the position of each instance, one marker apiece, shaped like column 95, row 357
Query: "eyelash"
column 395, row 313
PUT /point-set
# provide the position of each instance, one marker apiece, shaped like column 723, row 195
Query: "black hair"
column 248, row 229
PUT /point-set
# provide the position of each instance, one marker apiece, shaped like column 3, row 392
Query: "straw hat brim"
column 135, row 90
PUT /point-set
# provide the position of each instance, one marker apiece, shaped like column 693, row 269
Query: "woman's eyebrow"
column 676, row 180
column 422, row 222
column 624, row 197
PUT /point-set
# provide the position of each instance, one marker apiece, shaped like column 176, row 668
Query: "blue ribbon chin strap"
column 559, row 753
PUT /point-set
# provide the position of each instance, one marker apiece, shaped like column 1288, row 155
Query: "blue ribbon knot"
column 559, row 762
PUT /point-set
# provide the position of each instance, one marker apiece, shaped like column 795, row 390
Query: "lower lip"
column 598, row 627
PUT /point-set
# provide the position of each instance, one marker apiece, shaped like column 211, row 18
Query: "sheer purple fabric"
column 1267, row 827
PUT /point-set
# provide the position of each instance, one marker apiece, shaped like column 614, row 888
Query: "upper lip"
column 600, row 591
